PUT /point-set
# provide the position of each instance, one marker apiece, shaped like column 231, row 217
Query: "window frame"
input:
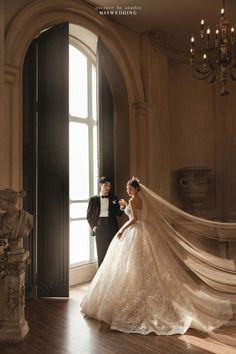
column 91, row 122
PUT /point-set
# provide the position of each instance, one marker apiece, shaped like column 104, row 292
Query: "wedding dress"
column 156, row 277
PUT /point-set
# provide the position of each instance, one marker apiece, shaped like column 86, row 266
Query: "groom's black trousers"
column 105, row 232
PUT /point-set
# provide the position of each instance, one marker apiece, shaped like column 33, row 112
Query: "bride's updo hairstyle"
column 134, row 182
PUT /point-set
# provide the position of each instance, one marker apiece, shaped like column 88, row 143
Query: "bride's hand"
column 119, row 234
column 123, row 203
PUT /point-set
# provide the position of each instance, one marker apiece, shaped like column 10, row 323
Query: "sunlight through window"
column 78, row 80
column 83, row 153
column 79, row 161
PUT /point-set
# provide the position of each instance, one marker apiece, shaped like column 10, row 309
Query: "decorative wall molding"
column 229, row 162
column 12, row 74
column 139, row 144
column 141, row 107
column 162, row 42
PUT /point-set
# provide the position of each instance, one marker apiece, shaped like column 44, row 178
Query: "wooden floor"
column 58, row 327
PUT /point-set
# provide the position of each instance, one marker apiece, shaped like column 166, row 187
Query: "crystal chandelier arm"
column 200, row 75
column 216, row 54
column 233, row 77
column 211, row 66
column 212, row 80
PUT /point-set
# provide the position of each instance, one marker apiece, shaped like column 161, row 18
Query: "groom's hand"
column 94, row 229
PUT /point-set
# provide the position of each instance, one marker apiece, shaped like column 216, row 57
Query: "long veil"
column 197, row 244
column 167, row 273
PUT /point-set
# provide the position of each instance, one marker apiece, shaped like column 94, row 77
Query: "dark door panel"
column 51, row 157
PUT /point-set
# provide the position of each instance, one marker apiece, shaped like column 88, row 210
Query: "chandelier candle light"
column 216, row 55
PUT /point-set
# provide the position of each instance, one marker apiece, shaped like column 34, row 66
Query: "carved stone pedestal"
column 13, row 326
column 195, row 183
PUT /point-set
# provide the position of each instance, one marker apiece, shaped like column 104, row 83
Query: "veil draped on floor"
column 167, row 273
column 196, row 243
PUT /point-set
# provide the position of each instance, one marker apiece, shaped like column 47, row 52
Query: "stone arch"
column 25, row 26
column 39, row 15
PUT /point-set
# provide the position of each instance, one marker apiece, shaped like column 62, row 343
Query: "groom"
column 102, row 213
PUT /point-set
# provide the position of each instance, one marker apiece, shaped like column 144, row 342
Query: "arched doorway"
column 20, row 35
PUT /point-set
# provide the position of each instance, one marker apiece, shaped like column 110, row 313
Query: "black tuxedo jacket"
column 94, row 208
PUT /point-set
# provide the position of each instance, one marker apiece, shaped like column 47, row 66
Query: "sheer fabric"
column 195, row 241
column 163, row 276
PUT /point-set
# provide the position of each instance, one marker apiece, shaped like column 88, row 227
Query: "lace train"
column 162, row 276
column 143, row 287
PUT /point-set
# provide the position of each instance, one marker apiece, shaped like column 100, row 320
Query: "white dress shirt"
column 104, row 211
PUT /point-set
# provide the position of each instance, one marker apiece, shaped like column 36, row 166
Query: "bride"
column 163, row 271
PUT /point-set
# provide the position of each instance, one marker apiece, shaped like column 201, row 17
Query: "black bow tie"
column 105, row 196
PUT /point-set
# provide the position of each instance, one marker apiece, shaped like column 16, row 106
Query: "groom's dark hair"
column 104, row 179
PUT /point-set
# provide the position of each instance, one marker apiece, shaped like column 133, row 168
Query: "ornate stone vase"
column 195, row 183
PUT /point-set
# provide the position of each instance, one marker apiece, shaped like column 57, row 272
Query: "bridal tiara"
column 135, row 179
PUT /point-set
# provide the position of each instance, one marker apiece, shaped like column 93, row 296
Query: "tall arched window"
column 83, row 150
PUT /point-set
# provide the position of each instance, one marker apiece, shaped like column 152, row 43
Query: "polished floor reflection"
column 59, row 327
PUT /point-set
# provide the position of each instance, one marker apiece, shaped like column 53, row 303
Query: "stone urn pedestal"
column 13, row 326
column 15, row 225
column 195, row 183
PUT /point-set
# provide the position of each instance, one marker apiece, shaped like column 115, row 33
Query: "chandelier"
column 216, row 54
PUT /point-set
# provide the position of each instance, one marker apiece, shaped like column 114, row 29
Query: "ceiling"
column 179, row 18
